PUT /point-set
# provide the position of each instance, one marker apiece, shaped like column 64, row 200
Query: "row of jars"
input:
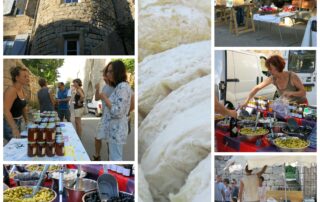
column 41, row 133
column 49, row 149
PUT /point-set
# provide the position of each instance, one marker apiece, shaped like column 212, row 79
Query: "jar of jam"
column 41, row 152
column 41, row 133
column 59, row 146
column 37, row 121
column 32, row 132
column 50, row 133
column 32, row 149
column 50, row 149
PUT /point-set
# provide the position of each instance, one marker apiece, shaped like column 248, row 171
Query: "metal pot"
column 75, row 193
column 277, row 126
column 27, row 179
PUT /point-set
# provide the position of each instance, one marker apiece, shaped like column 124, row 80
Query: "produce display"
column 52, row 168
column 291, row 143
column 252, row 132
column 19, row 194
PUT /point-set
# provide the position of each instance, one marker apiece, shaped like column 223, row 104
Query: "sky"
column 73, row 68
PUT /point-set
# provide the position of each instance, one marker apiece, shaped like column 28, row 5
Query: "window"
column 71, row 47
column 264, row 69
column 302, row 61
column 8, row 47
column 71, row 1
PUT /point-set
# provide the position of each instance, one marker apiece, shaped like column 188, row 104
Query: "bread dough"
column 177, row 150
column 162, row 73
column 168, row 26
column 176, row 102
column 203, row 5
column 198, row 184
column 144, row 192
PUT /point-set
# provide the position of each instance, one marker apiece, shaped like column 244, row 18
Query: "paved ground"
column 89, row 126
column 264, row 36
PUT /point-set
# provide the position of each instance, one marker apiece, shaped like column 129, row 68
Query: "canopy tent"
column 239, row 162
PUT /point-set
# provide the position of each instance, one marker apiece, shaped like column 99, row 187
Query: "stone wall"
column 92, row 21
column 30, row 90
column 273, row 176
column 14, row 25
column 93, row 75
column 20, row 24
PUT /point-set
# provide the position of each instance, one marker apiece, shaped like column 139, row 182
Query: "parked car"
column 94, row 106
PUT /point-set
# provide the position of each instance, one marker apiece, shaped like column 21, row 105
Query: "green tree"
column 129, row 64
column 45, row 68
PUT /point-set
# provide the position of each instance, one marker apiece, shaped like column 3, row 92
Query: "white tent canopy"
column 239, row 162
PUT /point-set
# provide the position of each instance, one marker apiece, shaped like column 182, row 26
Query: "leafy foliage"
column 45, row 68
column 129, row 64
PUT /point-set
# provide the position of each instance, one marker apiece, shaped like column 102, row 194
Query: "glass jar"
column 32, row 149
column 50, row 149
column 41, row 152
column 41, row 137
column 50, row 133
column 32, row 132
column 59, row 147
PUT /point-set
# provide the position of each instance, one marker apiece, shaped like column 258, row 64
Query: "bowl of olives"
column 251, row 135
column 291, row 144
column 20, row 193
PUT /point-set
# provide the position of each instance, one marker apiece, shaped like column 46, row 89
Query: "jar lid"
column 30, row 142
column 41, row 142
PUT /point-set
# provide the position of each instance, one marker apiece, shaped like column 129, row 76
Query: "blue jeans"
column 115, row 152
column 7, row 131
column 64, row 113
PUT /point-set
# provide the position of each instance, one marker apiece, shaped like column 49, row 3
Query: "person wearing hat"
column 249, row 186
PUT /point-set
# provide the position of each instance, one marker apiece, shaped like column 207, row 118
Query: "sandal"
column 96, row 158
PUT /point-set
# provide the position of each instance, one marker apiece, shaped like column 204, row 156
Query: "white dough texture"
column 168, row 26
column 198, row 184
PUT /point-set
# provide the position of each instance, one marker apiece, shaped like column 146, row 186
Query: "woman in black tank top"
column 15, row 103
column 78, row 105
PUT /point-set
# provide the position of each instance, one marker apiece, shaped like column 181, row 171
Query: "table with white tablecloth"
column 276, row 19
column 16, row 149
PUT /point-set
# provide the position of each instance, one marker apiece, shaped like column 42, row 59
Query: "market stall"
column 17, row 149
column 76, row 183
column 266, row 131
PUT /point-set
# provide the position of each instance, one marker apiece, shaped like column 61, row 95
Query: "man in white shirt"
column 262, row 190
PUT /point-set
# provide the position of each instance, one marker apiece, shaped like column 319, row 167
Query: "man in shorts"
column 63, row 97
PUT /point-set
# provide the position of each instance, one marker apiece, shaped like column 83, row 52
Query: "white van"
column 303, row 63
column 237, row 72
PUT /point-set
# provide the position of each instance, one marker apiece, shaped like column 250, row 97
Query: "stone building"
column 305, row 181
column 30, row 90
column 93, row 75
column 69, row 27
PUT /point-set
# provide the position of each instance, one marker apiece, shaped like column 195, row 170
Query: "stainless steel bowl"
column 252, row 138
column 53, row 199
column 277, row 126
column 27, row 179
column 291, row 149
